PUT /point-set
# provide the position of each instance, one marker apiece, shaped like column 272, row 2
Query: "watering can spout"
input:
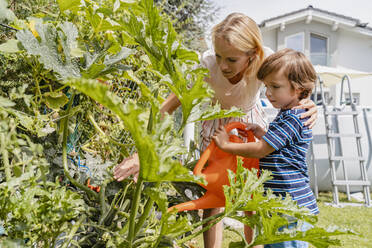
column 216, row 175
column 208, row 200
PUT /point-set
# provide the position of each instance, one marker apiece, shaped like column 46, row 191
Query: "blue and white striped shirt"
column 290, row 138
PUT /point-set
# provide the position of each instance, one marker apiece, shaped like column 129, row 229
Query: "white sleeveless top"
column 244, row 95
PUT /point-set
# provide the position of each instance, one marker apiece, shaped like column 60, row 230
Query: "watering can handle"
column 205, row 156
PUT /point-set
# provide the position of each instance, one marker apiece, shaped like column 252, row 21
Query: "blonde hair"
column 242, row 32
column 296, row 68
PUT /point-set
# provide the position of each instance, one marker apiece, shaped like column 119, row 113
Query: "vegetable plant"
column 97, row 74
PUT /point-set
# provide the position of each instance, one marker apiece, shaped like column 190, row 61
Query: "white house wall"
column 364, row 87
column 355, row 51
column 269, row 39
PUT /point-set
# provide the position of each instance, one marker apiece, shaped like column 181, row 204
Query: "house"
column 328, row 39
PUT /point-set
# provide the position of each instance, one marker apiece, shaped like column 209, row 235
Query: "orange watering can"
column 216, row 171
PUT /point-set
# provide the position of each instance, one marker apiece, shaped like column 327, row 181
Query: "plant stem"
column 133, row 211
column 64, row 124
column 4, row 153
column 94, row 123
column 210, row 218
column 73, row 231
column 55, row 236
column 150, row 201
column 102, row 203
column 212, row 223
column 146, row 212
column 159, row 237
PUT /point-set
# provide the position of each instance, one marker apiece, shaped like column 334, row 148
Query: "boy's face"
column 230, row 60
column 280, row 92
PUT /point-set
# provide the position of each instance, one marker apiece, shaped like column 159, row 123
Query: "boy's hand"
column 257, row 130
column 221, row 138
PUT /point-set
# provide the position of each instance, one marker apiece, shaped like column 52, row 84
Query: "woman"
column 238, row 54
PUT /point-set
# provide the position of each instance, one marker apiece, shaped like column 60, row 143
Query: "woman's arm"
column 258, row 149
column 312, row 111
column 170, row 104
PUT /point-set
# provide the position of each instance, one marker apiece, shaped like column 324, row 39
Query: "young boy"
column 289, row 77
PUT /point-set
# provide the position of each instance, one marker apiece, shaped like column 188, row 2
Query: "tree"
column 191, row 19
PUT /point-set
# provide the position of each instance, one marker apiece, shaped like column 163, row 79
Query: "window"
column 296, row 42
column 318, row 50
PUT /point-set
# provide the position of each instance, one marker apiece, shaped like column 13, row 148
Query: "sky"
column 260, row 10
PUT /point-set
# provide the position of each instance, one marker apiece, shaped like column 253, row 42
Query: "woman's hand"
column 220, row 137
column 312, row 111
column 129, row 166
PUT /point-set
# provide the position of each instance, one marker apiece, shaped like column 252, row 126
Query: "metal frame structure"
column 334, row 135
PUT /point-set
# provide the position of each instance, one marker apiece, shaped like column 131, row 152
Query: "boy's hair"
column 297, row 69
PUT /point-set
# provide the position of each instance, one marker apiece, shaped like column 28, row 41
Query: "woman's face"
column 230, row 60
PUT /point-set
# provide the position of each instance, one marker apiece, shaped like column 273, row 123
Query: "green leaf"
column 318, row 237
column 55, row 100
column 5, row 12
column 157, row 149
column 173, row 226
column 77, row 52
column 72, row 5
column 10, row 46
column 171, row 38
column 186, row 55
column 189, row 94
column 48, row 48
column 124, row 53
column 159, row 197
column 12, row 243
column 153, row 19
column 246, row 193
column 99, row 22
column 94, row 71
column 116, row 5
column 97, row 68
column 202, row 112
column 238, row 244
column 17, row 171
column 129, row 1
column 115, row 48
column 35, row 124
column 5, row 102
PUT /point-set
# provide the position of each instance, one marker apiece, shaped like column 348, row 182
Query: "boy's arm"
column 252, row 149
column 258, row 149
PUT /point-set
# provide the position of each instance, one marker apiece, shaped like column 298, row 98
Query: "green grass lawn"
column 359, row 219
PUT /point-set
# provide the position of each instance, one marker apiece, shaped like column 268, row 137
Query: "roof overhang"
column 311, row 14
